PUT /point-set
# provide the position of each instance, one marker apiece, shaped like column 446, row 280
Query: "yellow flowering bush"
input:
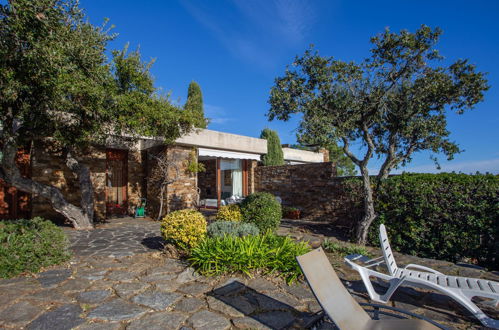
column 184, row 228
column 230, row 212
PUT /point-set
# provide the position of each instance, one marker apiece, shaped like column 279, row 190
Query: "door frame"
column 122, row 209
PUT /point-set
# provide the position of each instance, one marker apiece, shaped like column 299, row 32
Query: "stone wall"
column 207, row 180
column 49, row 167
column 313, row 188
column 180, row 194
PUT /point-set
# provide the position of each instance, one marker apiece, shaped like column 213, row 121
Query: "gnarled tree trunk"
column 12, row 176
column 369, row 215
column 86, row 188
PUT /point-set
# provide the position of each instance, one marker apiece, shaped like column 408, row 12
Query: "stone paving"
column 105, row 288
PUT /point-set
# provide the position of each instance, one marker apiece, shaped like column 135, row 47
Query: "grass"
column 344, row 249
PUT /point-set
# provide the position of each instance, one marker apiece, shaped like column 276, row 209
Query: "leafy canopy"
column 56, row 81
column 394, row 102
column 194, row 105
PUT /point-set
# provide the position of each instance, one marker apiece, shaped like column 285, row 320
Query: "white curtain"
column 237, row 183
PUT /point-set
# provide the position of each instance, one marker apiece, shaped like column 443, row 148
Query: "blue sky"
column 235, row 49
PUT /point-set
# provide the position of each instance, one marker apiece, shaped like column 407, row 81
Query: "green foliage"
column 28, row 245
column 184, row 228
column 263, row 210
column 231, row 212
column 445, row 216
column 194, row 105
column 394, row 102
column 274, row 154
column 344, row 165
column 231, row 228
column 193, row 165
column 342, row 249
column 267, row 253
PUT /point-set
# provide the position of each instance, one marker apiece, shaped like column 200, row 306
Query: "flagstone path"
column 119, row 279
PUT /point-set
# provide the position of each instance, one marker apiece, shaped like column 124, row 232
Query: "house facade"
column 123, row 175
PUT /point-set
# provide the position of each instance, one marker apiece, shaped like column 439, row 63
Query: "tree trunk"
column 369, row 214
column 12, row 176
column 161, row 202
column 86, row 187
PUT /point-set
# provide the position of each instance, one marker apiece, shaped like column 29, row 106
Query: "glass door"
column 116, row 182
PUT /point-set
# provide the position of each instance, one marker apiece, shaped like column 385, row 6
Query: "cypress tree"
column 274, row 154
column 194, row 105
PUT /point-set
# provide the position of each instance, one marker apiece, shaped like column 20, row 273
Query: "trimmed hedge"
column 263, row 210
column 28, row 245
column 446, row 216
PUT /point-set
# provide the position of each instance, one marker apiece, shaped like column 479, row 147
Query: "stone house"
column 122, row 174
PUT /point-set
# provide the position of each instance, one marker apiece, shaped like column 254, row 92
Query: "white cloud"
column 256, row 30
column 216, row 114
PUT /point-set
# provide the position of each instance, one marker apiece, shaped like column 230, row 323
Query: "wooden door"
column 116, row 182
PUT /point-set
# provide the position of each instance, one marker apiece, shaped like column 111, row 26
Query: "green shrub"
column 28, row 245
column 184, row 228
column 230, row 212
column 446, row 216
column 342, row 250
column 267, row 253
column 222, row 228
column 263, row 210
column 275, row 155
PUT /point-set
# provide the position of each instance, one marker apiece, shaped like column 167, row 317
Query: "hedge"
column 446, row 216
column 28, row 245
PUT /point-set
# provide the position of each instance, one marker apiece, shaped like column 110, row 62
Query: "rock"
column 64, row 317
column 93, row 297
column 125, row 290
column 189, row 305
column 117, row 310
column 235, row 305
column 52, row 278
column 49, row 295
column 248, row 323
column 121, row 275
column 281, row 298
column 206, row 320
column 275, row 319
column 75, row 285
column 92, row 275
column 156, row 300
column 158, row 278
column 20, row 314
column 162, row 320
column 233, row 286
column 300, row 291
column 167, row 286
column 170, row 266
column 100, row 326
column 261, row 285
column 188, row 275
column 194, row 289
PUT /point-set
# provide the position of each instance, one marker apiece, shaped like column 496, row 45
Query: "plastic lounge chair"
column 337, row 302
column 462, row 289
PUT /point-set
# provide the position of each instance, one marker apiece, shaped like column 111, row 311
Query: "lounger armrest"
column 366, row 261
column 423, row 268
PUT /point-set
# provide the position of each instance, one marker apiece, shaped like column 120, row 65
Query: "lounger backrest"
column 387, row 250
column 335, row 300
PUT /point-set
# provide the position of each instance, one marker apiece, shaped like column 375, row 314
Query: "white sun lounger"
column 462, row 289
column 337, row 302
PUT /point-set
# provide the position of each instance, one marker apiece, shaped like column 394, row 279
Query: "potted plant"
column 291, row 212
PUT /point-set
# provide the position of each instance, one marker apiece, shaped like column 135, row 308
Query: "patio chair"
column 339, row 305
column 461, row 289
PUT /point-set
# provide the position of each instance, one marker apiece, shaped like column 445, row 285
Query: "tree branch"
column 347, row 151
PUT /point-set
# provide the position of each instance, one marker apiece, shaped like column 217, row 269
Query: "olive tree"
column 394, row 103
column 57, row 85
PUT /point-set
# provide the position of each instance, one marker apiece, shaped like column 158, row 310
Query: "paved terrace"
column 119, row 279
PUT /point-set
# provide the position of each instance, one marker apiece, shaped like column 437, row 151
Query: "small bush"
column 239, row 229
column 263, row 210
column 28, row 245
column 267, row 253
column 230, row 212
column 184, row 228
column 344, row 249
